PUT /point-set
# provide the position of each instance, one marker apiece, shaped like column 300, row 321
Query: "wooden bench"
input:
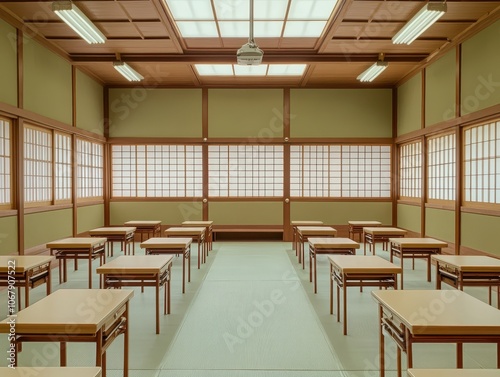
column 241, row 233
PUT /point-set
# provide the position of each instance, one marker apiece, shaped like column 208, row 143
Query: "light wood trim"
column 441, row 205
column 18, row 155
column 287, row 229
column 20, row 70
column 395, row 158
column 204, row 151
column 459, row 189
column 74, row 182
column 423, row 194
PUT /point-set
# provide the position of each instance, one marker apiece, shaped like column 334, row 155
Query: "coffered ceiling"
column 155, row 41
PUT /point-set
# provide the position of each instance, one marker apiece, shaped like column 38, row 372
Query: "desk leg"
column 157, row 303
column 345, row 303
column 189, row 263
column 62, row 354
column 199, row 254
column 315, row 257
column 167, row 290
column 27, row 293
column 428, row 267
column 331, row 289
column 125, row 342
column 460, row 354
column 381, row 342
column 90, row 269
column 184, row 271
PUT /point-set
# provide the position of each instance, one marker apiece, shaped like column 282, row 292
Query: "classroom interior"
column 417, row 149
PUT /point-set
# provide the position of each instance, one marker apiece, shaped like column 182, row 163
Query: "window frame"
column 7, row 160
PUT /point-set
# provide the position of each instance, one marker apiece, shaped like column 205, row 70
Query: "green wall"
column 246, row 213
column 409, row 217
column 339, row 213
column 166, row 212
column 340, row 113
column 252, row 113
column 479, row 232
column 8, row 64
column 440, row 224
column 480, row 70
column 89, row 104
column 440, row 89
column 141, row 112
column 43, row 227
column 47, row 83
column 90, row 217
column 8, row 235
column 410, row 105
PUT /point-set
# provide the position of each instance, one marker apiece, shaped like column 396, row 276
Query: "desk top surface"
column 418, row 242
column 470, row 262
column 166, row 242
column 185, row 230
column 316, row 230
column 197, row 223
column 453, row 372
column 440, row 312
column 140, row 264
column 382, row 230
column 363, row 263
column 23, row 263
column 76, row 242
column 51, row 372
column 112, row 230
column 332, row 242
column 134, row 223
column 70, row 311
column 305, row 223
column 364, row 223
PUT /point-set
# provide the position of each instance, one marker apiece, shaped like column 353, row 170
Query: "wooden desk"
column 380, row 234
column 356, row 227
column 433, row 316
column 468, row 270
column 140, row 271
column 295, row 224
column 305, row 232
column 208, row 230
column 359, row 271
column 453, row 373
column 330, row 245
column 162, row 245
column 76, row 248
column 413, row 248
column 145, row 227
column 75, row 315
column 196, row 233
column 51, row 372
column 124, row 235
column 25, row 271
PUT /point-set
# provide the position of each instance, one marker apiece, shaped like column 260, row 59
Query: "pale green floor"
column 250, row 311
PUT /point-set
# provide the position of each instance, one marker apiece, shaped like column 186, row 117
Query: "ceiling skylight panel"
column 268, row 29
column 304, row 28
column 270, row 10
column 234, row 29
column 250, row 70
column 232, row 9
column 311, row 9
column 190, row 9
column 214, row 69
column 198, row 29
column 286, row 69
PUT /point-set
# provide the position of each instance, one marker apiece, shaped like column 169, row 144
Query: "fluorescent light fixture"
column 127, row 71
column 425, row 17
column 78, row 21
column 371, row 73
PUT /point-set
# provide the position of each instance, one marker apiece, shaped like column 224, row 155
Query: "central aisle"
column 250, row 315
